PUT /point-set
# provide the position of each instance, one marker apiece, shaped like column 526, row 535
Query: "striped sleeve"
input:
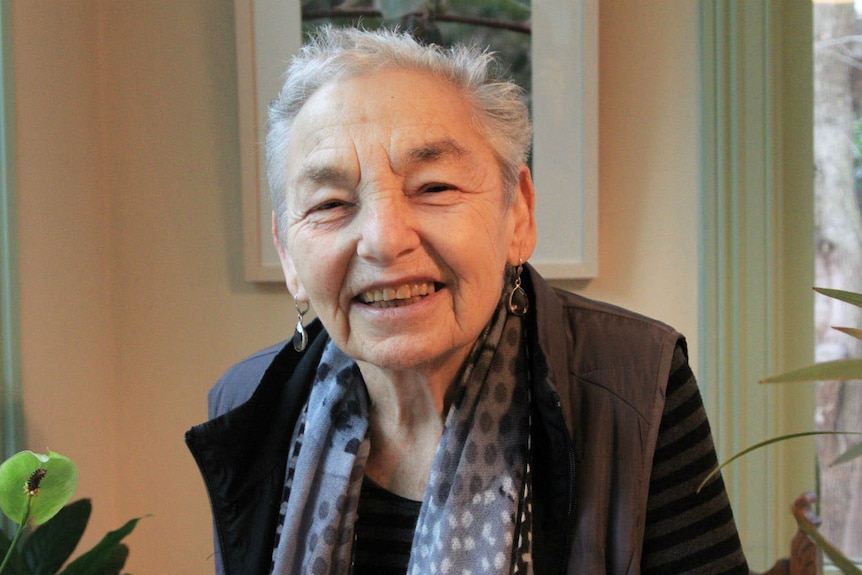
column 688, row 531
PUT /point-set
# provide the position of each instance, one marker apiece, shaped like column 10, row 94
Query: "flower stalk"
column 31, row 493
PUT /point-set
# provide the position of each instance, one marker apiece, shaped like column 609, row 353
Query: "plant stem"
column 12, row 547
column 18, row 533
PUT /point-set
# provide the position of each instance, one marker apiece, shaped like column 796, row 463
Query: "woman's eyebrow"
column 436, row 150
column 322, row 176
column 332, row 176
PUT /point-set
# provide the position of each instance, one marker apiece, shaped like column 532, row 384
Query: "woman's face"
column 398, row 228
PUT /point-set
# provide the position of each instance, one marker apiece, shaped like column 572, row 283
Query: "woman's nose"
column 387, row 228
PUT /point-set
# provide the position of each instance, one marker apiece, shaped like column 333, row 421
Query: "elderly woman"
column 448, row 411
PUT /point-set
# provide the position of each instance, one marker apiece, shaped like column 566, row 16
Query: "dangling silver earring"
column 300, row 336
column 519, row 303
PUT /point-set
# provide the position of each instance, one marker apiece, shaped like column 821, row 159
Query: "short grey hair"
column 500, row 114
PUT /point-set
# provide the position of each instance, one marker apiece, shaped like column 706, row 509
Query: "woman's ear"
column 287, row 267
column 523, row 214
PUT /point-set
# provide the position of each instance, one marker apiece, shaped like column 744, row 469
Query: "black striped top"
column 686, row 531
column 383, row 531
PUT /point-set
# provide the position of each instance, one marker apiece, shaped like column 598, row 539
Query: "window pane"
column 838, row 254
column 502, row 25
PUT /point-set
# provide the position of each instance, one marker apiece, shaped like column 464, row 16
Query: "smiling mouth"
column 402, row 295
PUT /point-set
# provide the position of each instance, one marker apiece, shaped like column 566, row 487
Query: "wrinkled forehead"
column 393, row 94
column 402, row 113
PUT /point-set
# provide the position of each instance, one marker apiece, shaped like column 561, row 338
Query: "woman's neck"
column 406, row 422
column 403, row 394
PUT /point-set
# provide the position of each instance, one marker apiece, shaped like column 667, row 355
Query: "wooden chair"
column 805, row 558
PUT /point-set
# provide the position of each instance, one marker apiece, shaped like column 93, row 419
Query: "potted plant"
column 34, row 493
column 837, row 370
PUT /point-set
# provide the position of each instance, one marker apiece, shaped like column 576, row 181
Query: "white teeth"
column 402, row 292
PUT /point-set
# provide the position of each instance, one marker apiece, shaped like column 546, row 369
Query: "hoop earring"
column 300, row 336
column 519, row 302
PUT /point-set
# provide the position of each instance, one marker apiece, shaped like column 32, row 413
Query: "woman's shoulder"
column 239, row 381
column 607, row 315
column 277, row 362
column 556, row 305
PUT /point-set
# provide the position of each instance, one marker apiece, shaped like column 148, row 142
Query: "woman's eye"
column 327, row 206
column 436, row 188
column 328, row 211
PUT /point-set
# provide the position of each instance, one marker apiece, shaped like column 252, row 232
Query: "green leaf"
column 49, row 496
column 102, row 555
column 50, row 546
column 848, row 455
column 761, row 444
column 115, row 562
column 839, row 559
column 851, row 331
column 841, row 295
column 841, row 369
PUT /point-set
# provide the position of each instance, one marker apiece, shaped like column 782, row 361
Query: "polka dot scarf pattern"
column 325, row 473
column 470, row 511
column 475, row 516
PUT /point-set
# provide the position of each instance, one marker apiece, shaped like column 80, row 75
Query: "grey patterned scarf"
column 475, row 515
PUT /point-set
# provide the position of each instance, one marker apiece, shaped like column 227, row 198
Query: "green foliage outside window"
column 502, row 25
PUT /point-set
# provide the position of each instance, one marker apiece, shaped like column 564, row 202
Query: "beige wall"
column 68, row 292
column 649, row 145
column 132, row 298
